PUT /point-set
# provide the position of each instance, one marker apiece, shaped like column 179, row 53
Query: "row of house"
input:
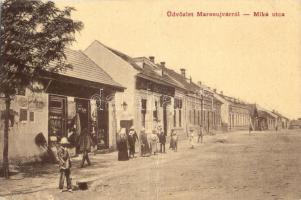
column 107, row 90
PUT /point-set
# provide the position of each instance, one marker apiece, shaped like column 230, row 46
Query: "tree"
column 34, row 34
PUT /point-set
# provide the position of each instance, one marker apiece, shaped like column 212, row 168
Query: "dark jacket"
column 162, row 137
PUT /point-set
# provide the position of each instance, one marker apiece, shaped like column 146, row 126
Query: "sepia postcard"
column 137, row 99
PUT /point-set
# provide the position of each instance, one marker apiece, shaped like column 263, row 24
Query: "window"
column 31, row 116
column 195, row 117
column 23, row 115
column 143, row 111
column 155, row 112
column 175, row 118
column 180, row 118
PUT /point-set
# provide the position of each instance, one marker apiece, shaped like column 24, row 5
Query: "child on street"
column 64, row 164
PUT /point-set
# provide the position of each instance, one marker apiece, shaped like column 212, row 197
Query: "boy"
column 64, row 164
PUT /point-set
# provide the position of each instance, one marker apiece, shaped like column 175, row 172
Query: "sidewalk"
column 39, row 178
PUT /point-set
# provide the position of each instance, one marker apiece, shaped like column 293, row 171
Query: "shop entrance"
column 57, row 125
column 103, row 122
column 83, row 110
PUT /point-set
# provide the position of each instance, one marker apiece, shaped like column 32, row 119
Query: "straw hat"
column 132, row 128
column 64, row 140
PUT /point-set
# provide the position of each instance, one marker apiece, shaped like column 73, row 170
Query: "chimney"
column 190, row 79
column 152, row 59
column 222, row 93
column 183, row 72
column 214, row 90
column 162, row 64
column 200, row 83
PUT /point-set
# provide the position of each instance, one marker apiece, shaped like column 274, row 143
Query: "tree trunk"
column 5, row 167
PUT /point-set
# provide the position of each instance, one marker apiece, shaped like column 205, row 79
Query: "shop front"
column 76, row 107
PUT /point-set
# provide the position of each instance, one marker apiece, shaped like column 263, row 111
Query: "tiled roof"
column 183, row 81
column 145, row 72
column 84, row 68
column 261, row 109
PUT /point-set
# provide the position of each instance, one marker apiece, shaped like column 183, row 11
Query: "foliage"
column 34, row 35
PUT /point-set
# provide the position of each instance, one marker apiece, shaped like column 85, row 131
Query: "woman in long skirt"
column 122, row 146
column 173, row 140
column 154, row 142
column 144, row 143
column 191, row 138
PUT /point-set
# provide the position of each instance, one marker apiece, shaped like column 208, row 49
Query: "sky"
column 256, row 59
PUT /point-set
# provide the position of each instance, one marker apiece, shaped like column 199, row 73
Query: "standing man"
column 85, row 143
column 201, row 134
column 250, row 129
column 132, row 138
column 162, row 139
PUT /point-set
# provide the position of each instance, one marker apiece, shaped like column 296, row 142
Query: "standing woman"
column 154, row 141
column 173, row 140
column 191, row 138
column 85, row 143
column 122, row 145
column 144, row 143
column 132, row 138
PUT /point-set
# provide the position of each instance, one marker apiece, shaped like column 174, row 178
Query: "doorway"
column 83, row 110
column 57, row 126
column 103, row 125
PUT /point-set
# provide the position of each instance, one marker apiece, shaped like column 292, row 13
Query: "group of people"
column 126, row 143
column 149, row 143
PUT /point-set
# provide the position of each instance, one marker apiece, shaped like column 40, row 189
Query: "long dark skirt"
column 122, row 151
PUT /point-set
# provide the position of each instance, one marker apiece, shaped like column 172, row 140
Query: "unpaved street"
column 235, row 165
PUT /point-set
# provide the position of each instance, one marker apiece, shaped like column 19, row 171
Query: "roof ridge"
column 97, row 66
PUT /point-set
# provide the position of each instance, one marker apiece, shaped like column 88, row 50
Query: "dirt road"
column 265, row 165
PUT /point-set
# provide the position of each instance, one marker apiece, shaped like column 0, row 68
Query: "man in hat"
column 201, row 134
column 162, row 139
column 132, row 138
column 64, row 164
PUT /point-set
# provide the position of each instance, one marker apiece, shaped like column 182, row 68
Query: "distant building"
column 235, row 114
column 282, row 121
column 295, row 124
column 263, row 119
